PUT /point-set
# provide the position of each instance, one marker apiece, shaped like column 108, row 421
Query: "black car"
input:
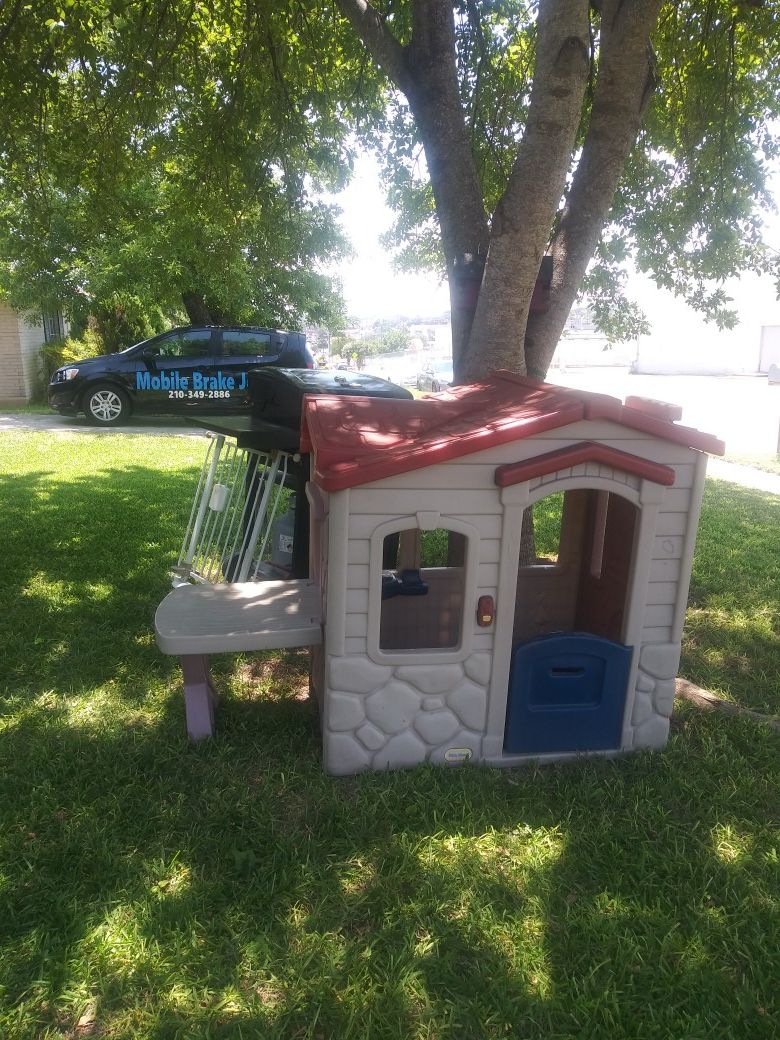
column 189, row 370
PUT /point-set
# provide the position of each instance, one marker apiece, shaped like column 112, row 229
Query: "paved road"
column 158, row 424
column 746, row 476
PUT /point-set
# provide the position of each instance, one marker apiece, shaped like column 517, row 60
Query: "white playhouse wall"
column 379, row 713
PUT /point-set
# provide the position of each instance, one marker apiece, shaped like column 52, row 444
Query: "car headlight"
column 70, row 373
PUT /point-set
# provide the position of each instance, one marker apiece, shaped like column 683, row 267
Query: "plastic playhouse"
column 434, row 636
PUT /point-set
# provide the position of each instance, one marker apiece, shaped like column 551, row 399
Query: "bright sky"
column 371, row 287
column 374, row 290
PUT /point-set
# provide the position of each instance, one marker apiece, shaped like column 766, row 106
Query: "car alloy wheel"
column 106, row 406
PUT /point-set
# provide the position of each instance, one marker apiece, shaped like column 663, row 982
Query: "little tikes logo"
column 174, row 380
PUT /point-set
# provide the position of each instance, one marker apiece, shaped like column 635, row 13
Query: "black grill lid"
column 277, row 393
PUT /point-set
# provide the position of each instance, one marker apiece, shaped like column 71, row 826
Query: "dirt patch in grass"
column 277, row 675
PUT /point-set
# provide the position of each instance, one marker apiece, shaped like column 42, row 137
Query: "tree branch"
column 380, row 42
column 426, row 71
column 434, row 98
column 625, row 83
column 525, row 213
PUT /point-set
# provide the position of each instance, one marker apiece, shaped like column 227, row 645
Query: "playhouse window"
column 423, row 590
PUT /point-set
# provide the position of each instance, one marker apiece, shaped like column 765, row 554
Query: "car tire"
column 419, row 383
column 435, row 388
column 106, row 405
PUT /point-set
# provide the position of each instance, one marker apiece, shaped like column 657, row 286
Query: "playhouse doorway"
column 581, row 583
column 570, row 666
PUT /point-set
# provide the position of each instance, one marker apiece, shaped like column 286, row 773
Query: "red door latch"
column 486, row 611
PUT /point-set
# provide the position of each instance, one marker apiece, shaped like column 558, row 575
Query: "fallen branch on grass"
column 704, row 699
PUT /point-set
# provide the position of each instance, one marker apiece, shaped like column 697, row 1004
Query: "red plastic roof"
column 359, row 439
column 585, row 451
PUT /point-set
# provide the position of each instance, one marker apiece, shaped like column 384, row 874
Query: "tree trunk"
column 493, row 268
column 434, row 98
column 426, row 72
column 524, row 215
column 492, row 272
column 626, row 80
column 196, row 308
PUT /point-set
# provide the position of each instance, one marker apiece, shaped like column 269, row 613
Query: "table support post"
column 200, row 697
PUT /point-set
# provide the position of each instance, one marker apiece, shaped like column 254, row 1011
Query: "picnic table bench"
column 194, row 621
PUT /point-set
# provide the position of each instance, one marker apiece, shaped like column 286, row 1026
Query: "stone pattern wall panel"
column 393, row 718
column 398, row 717
column 654, row 695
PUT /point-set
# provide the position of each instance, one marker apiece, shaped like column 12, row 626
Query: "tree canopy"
column 171, row 157
column 607, row 130
column 184, row 148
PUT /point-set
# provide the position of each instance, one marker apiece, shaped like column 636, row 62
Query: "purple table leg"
column 200, row 697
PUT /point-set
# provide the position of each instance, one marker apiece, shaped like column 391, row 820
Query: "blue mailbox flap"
column 567, row 692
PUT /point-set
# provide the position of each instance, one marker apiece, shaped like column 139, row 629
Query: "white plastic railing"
column 239, row 494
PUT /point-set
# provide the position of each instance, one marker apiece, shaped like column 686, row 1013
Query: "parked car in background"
column 199, row 371
column 435, row 376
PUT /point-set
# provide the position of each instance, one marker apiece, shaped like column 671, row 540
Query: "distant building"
column 432, row 337
column 580, row 320
column 769, row 356
column 681, row 341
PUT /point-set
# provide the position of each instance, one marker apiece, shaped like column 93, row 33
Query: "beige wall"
column 31, row 339
column 12, row 383
column 19, row 360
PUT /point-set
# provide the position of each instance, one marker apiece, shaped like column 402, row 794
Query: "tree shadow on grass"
column 738, row 658
column 232, row 889
column 83, row 567
column 731, row 642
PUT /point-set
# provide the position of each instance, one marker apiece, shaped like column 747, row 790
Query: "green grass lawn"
column 31, row 408
column 150, row 889
column 732, row 635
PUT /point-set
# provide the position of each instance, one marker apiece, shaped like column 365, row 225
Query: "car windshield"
column 133, row 346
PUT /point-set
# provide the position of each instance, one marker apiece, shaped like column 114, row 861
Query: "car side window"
column 184, row 345
column 245, row 344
